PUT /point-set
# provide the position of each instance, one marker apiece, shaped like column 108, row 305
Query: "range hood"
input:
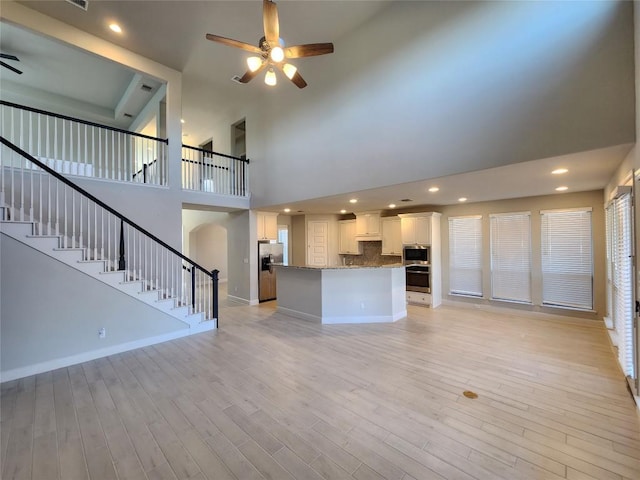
column 368, row 238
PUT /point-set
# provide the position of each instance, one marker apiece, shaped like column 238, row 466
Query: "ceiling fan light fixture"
column 289, row 70
column 270, row 78
column 254, row 63
column 277, row 54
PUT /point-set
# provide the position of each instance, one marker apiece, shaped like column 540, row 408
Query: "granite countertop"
column 339, row 267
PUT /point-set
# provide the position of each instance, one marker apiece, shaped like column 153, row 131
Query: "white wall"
column 427, row 89
column 50, row 311
column 242, row 272
column 209, row 244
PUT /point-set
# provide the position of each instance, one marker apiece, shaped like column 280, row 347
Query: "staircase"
column 43, row 209
column 81, row 259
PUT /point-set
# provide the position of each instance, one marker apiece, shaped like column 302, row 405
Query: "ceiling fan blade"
column 249, row 75
column 296, row 79
column 234, row 43
column 271, row 24
column 308, row 50
column 11, row 68
column 9, row 57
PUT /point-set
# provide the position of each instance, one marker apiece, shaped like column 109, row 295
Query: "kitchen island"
column 351, row 294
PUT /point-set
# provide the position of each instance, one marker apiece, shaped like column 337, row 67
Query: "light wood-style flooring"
column 269, row 396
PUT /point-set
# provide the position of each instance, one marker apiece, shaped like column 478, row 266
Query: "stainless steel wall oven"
column 418, row 278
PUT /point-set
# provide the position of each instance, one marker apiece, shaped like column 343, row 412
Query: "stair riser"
column 67, row 256
column 17, row 228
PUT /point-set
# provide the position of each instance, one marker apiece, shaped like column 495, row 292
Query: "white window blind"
column 622, row 282
column 511, row 257
column 608, row 230
column 465, row 255
column 567, row 258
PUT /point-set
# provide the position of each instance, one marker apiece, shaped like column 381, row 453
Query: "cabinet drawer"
column 419, row 297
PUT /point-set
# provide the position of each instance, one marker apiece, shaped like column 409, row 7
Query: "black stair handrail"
column 99, row 202
column 78, row 120
column 218, row 154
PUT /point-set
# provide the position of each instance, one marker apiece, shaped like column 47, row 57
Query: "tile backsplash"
column 371, row 255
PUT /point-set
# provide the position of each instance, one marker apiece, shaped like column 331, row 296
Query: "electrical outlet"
column 102, row 333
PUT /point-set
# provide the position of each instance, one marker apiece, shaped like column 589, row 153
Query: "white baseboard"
column 241, row 300
column 301, row 315
column 608, row 322
column 47, row 366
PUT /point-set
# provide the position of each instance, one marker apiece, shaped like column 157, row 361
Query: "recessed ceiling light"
column 287, row 210
column 182, row 120
column 462, row 199
column 115, row 27
column 392, row 205
column 562, row 189
column 343, row 211
column 353, row 200
column 559, row 171
column 434, row 189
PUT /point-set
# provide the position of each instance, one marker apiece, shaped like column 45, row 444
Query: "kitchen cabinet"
column 348, row 245
column 391, row 236
column 419, row 298
column 424, row 229
column 368, row 225
column 267, row 226
column 416, row 230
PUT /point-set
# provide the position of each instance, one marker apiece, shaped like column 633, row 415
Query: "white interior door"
column 317, row 244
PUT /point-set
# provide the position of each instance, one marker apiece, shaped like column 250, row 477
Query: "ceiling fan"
column 271, row 51
column 6, row 65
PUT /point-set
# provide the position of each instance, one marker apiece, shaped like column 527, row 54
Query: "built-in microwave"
column 416, row 254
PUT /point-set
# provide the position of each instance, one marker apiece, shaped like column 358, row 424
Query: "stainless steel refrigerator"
column 268, row 254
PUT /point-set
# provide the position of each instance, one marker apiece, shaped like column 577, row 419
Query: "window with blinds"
column 511, row 257
column 567, row 258
column 465, row 256
column 622, row 281
column 608, row 227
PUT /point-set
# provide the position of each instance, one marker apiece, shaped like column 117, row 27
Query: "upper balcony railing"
column 213, row 172
column 77, row 147
column 71, row 146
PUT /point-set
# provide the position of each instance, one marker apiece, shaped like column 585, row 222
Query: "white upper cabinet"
column 348, row 245
column 368, row 224
column 416, row 230
column 391, row 236
column 267, row 226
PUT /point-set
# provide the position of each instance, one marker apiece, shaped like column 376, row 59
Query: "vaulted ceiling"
column 416, row 91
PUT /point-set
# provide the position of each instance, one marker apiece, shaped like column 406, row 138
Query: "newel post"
column 121, row 262
column 193, row 287
column 214, row 294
